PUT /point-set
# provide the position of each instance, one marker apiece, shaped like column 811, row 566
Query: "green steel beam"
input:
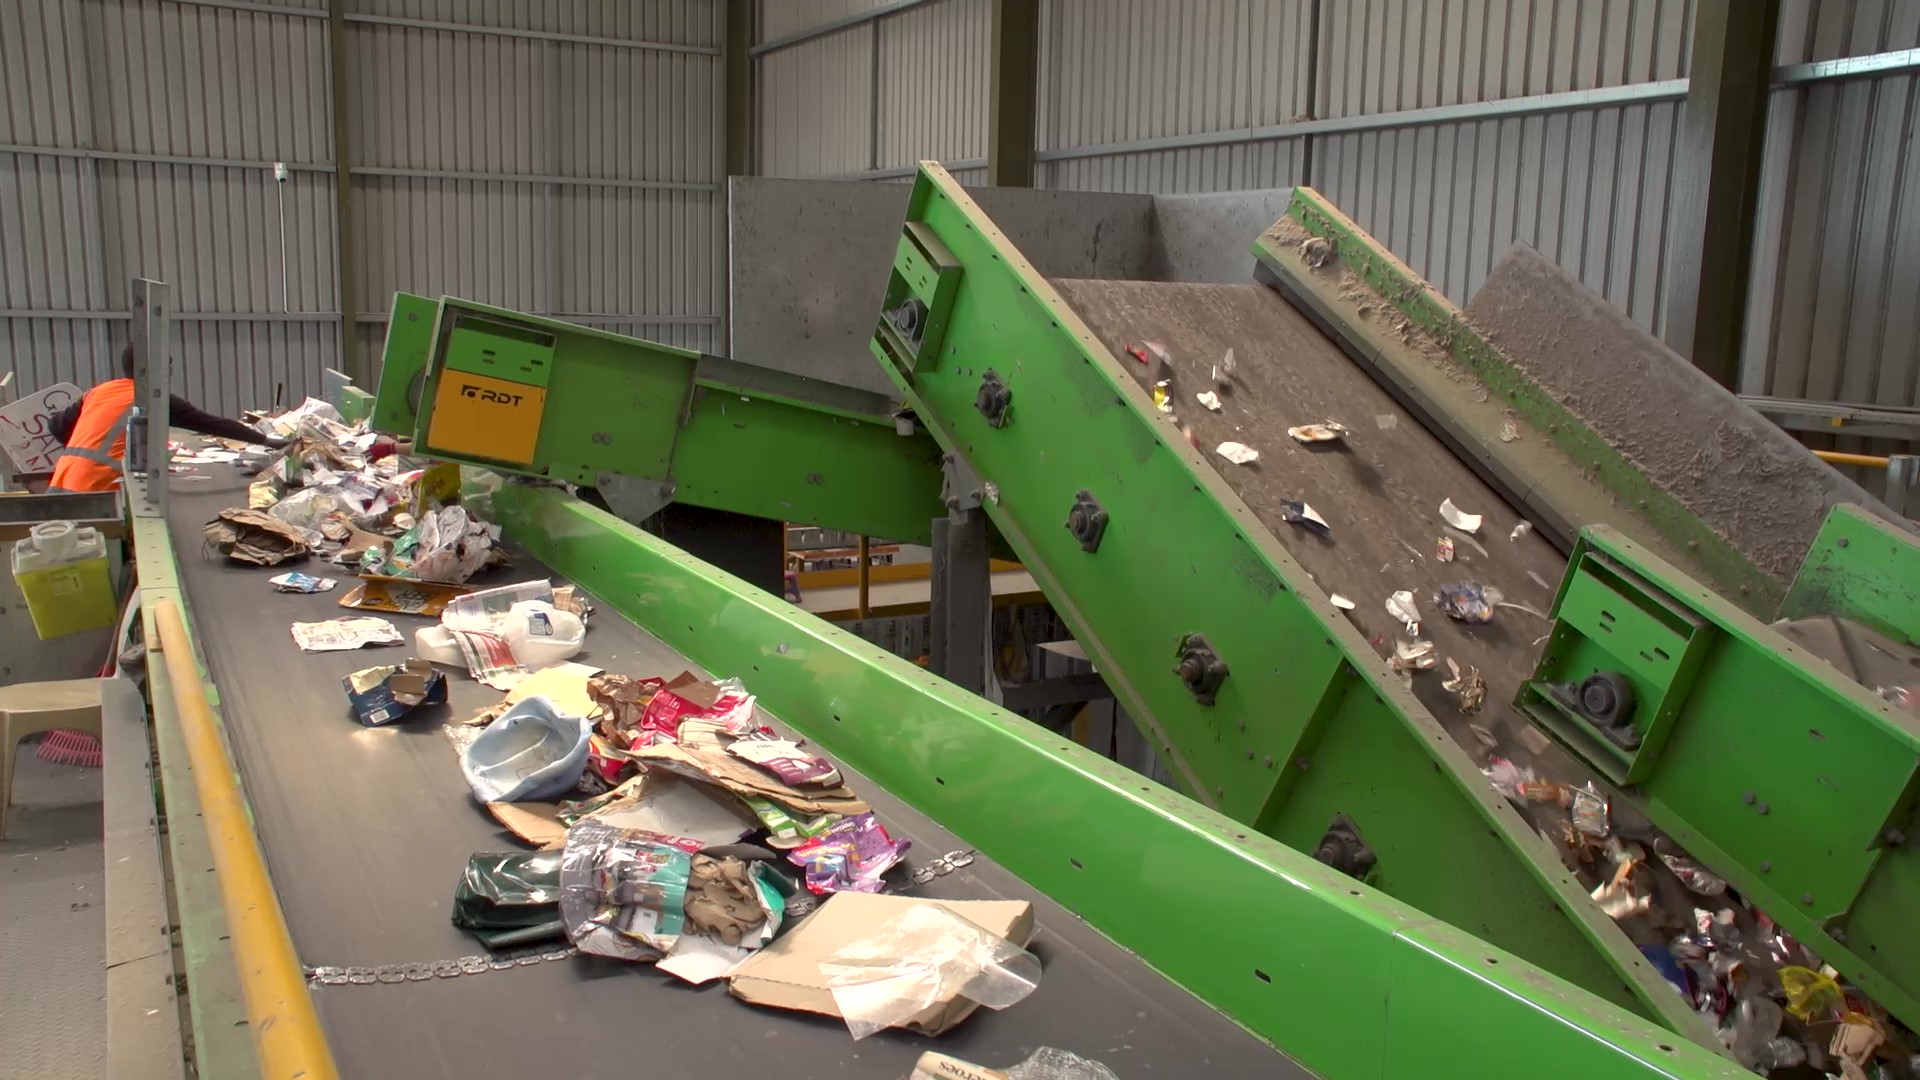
column 1794, row 782
column 223, row 1047
column 1569, row 476
column 1349, row 981
column 711, row 432
column 1860, row 567
column 1308, row 728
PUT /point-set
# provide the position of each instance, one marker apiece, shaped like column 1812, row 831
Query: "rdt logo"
column 484, row 394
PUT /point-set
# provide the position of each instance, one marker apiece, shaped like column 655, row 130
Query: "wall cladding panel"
column 815, row 105
column 182, row 79
column 622, row 244
column 669, row 22
column 159, row 162
column 778, row 18
column 1833, row 29
column 1832, row 321
column 477, row 240
column 1116, row 70
column 934, row 67
column 431, row 99
column 46, row 234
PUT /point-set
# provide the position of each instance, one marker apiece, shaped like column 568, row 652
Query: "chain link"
column 481, row 963
column 474, row 964
column 940, row 867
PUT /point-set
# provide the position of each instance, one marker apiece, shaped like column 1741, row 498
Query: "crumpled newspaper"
column 335, row 635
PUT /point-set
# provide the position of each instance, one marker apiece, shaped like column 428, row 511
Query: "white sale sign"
column 26, row 427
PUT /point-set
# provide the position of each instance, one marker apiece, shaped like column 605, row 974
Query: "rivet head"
column 1747, row 797
column 1806, row 898
column 1766, row 866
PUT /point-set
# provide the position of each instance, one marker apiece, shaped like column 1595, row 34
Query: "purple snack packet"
column 849, row 857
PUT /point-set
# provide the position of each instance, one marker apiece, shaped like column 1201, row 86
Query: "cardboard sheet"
column 786, row 974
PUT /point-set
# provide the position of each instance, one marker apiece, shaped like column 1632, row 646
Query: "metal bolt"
column 1766, row 866
column 1301, row 763
column 1269, row 761
column 1220, row 791
column 1841, row 542
column 1748, row 796
column 1764, row 809
column 1243, row 725
column 1894, row 836
column 1806, row 898
column 1838, row 935
column 1249, row 755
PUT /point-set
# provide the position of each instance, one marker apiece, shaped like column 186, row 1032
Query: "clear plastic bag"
column 622, row 893
column 922, row 957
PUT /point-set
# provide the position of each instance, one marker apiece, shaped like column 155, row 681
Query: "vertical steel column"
column 351, row 359
column 961, row 598
column 145, row 465
column 1722, row 139
column 1013, row 93
column 738, row 137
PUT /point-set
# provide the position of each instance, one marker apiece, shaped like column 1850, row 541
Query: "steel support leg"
column 962, row 600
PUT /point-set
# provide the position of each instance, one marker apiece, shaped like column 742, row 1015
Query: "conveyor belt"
column 1379, row 489
column 366, row 832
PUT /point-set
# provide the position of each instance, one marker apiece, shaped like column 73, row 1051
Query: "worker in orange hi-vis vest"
column 94, row 430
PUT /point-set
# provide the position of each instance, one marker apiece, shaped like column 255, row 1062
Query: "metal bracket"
column 1200, row 668
column 961, row 489
column 994, row 400
column 1343, row 848
column 1087, row 521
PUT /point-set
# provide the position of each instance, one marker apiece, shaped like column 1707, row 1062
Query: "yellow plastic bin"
column 62, row 572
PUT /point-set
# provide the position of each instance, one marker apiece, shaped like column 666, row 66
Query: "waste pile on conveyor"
column 665, row 820
column 1451, row 586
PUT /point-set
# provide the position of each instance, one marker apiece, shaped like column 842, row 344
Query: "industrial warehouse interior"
column 984, row 539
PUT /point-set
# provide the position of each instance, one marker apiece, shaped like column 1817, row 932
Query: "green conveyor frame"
column 1292, row 751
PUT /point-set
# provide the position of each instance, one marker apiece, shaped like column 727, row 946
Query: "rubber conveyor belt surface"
column 366, row 831
column 1379, row 489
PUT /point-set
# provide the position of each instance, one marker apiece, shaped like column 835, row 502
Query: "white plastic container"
column 542, row 635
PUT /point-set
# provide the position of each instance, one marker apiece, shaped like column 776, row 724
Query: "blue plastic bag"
column 534, row 752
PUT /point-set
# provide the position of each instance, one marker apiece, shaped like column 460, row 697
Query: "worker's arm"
column 63, row 421
column 185, row 414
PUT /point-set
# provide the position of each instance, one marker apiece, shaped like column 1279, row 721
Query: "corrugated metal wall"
column 1449, row 128
column 1832, row 318
column 549, row 155
column 879, row 94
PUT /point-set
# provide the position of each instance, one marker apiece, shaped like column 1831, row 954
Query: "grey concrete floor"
column 53, row 1020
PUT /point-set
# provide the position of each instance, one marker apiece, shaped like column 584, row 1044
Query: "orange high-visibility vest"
column 91, row 461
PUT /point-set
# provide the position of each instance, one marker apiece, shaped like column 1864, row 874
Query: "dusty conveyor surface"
column 1754, row 483
column 1379, row 489
column 366, row 832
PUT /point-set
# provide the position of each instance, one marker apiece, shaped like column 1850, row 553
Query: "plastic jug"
column 61, row 569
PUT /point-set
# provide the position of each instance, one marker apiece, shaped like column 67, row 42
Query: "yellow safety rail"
column 286, row 1030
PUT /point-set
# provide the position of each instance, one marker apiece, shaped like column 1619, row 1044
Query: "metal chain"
column 940, row 867
column 481, row 964
column 475, row 964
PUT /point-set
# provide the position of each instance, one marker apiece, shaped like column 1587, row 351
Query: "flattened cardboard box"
column 786, row 974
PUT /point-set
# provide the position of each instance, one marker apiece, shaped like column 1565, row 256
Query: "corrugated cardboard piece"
column 786, row 974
